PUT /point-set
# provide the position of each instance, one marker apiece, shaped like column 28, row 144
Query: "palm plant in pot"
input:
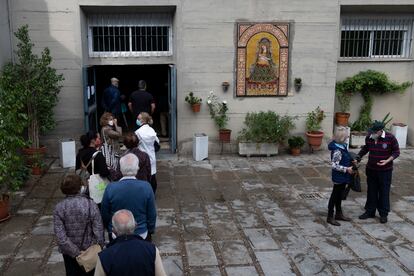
column 295, row 144
column 37, row 85
column 263, row 132
column 194, row 101
column 313, row 126
column 218, row 112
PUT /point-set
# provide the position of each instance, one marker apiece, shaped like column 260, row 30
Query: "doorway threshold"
column 165, row 154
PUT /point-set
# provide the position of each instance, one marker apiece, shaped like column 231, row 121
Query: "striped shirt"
column 381, row 149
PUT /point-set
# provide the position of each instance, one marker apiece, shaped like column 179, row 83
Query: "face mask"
column 83, row 189
column 98, row 142
column 111, row 123
column 374, row 136
column 138, row 122
column 113, row 235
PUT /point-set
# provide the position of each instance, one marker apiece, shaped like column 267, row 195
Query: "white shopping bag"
column 96, row 185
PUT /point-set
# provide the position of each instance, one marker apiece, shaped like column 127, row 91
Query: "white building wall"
column 204, row 54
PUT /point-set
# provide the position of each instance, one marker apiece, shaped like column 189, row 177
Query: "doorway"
column 160, row 81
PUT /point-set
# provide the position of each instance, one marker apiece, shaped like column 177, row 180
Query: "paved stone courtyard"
column 236, row 216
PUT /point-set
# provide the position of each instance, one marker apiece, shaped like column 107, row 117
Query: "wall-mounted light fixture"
column 225, row 85
column 298, row 84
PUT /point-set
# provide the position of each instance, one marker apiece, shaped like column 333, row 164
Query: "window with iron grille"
column 130, row 35
column 376, row 37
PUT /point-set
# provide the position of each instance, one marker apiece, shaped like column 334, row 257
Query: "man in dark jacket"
column 383, row 149
column 128, row 254
column 141, row 100
column 111, row 100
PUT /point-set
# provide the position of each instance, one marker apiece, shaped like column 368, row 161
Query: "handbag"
column 83, row 171
column 88, row 258
column 156, row 146
column 96, row 183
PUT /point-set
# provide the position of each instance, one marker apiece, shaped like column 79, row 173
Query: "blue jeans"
column 378, row 193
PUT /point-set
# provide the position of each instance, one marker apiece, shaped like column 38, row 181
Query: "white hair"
column 129, row 164
column 123, row 223
column 341, row 135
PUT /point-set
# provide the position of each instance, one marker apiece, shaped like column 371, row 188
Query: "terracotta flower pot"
column 36, row 170
column 295, row 151
column 196, row 107
column 4, row 207
column 32, row 153
column 314, row 139
column 224, row 135
column 342, row 118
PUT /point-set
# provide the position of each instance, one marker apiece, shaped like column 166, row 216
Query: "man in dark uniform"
column 383, row 149
column 111, row 100
column 141, row 100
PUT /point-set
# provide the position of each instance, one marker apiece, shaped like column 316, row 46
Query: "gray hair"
column 341, row 134
column 129, row 164
column 123, row 223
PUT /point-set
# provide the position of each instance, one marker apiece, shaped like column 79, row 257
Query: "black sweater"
column 85, row 154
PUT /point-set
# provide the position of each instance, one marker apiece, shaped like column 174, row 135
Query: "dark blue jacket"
column 111, row 100
column 134, row 195
column 129, row 256
column 346, row 161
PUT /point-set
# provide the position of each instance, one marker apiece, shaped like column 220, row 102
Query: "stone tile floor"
column 237, row 216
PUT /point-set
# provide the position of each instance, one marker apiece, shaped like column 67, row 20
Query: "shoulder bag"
column 88, row 258
column 96, row 183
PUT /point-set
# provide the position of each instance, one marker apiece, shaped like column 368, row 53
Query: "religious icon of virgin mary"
column 264, row 69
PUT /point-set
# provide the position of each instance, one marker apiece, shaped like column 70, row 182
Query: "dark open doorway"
column 159, row 84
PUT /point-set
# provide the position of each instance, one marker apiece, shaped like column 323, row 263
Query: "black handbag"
column 156, row 146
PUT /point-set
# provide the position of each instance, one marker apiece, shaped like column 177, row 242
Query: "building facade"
column 182, row 46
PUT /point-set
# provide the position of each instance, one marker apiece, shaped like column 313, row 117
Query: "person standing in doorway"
column 383, row 149
column 111, row 100
column 147, row 138
column 141, row 100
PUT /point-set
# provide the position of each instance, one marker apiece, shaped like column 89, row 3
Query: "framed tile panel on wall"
column 262, row 59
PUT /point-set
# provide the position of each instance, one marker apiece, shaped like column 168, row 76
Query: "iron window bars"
column 383, row 38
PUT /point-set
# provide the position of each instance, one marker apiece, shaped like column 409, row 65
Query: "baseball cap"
column 376, row 126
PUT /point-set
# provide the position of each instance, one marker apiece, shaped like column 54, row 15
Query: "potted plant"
column 263, row 132
column 218, row 112
column 37, row 164
column 298, row 84
column 295, row 144
column 37, row 85
column 225, row 85
column 369, row 83
column 194, row 101
column 313, row 126
column 343, row 91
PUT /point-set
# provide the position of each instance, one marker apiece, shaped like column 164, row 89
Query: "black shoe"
column 383, row 219
column 366, row 216
column 332, row 221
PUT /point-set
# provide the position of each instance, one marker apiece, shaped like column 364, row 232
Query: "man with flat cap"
column 383, row 149
column 111, row 100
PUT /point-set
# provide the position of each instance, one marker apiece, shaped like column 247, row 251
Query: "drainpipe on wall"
column 10, row 30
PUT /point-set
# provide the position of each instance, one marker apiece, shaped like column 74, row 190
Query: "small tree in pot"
column 37, row 85
column 218, row 112
column 295, row 144
column 194, row 101
column 313, row 126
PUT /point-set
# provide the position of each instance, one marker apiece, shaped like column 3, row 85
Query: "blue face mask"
column 138, row 122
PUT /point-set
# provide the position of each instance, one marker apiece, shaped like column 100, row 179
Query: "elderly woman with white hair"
column 128, row 254
column 131, row 194
column 341, row 175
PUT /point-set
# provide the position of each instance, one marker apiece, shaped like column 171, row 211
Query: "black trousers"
column 73, row 269
column 336, row 199
column 378, row 193
column 153, row 183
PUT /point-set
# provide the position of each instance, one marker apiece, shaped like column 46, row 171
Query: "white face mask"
column 83, row 189
column 374, row 136
column 111, row 123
